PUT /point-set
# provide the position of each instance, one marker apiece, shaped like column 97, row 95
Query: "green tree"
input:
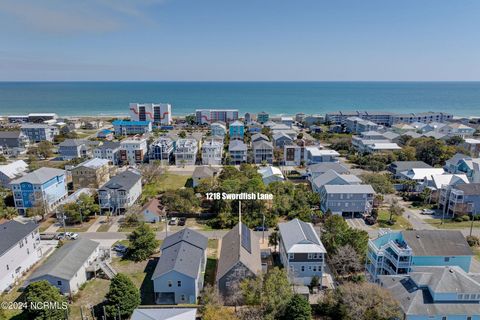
column 298, row 308
column 273, row 239
column 43, row 291
column 8, row 212
column 190, row 119
column 45, row 149
column 337, row 233
column 142, row 243
column 381, row 183
column 122, row 297
column 395, row 210
column 182, row 134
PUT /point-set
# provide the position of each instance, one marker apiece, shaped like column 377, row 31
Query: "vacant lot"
column 400, row 222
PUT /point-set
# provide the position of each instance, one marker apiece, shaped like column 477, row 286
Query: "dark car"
column 369, row 220
column 260, row 228
column 181, row 221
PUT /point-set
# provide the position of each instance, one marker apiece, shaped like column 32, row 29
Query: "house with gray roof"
column 11, row 171
column 348, row 200
column 178, row 276
column 463, row 198
column 75, row 148
column 259, row 137
column 69, row 266
column 397, row 167
column 280, row 139
column 109, row 150
column 120, row 192
column 239, row 259
column 204, row 172
column 317, row 169
column 332, row 177
column 435, row 293
column 13, row 142
column 301, row 251
column 149, row 313
column 262, row 151
column 238, row 152
column 19, row 251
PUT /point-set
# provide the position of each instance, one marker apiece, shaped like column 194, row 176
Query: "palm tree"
column 8, row 213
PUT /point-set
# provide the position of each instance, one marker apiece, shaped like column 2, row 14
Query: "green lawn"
column 104, row 227
column 167, row 181
column 210, row 271
column 450, row 224
column 401, row 223
column 79, row 227
column 157, row 227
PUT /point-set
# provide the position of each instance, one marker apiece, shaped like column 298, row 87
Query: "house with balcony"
column 397, row 167
column 334, row 178
column 435, row 293
column 259, row 137
column 254, row 127
column 19, row 251
column 127, row 128
column 120, row 192
column 302, row 253
column 440, row 186
column 13, row 142
column 92, row 173
column 162, row 150
column 179, row 273
column 263, row 117
column 75, row 148
column 347, row 200
column 396, row 253
column 109, row 150
column 36, row 132
column 186, row 152
column 293, row 154
column 315, row 154
column 218, row 129
column 457, row 129
column 463, row 199
column 236, row 130
column 43, row 187
column 73, row 264
column 359, row 125
column 452, row 164
column 281, row 139
column 133, row 150
column 212, row 152
column 262, row 152
column 238, row 152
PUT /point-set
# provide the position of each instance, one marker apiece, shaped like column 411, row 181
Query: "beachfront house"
column 36, row 132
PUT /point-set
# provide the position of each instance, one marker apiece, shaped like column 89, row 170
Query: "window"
column 182, row 297
column 8, row 268
column 291, row 256
column 314, row 268
column 179, row 284
column 170, row 284
column 59, row 283
column 460, row 296
column 302, row 268
column 444, row 318
column 446, row 259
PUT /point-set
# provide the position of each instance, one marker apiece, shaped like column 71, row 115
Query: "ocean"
column 112, row 98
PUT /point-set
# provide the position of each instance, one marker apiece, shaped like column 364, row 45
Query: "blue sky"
column 203, row 40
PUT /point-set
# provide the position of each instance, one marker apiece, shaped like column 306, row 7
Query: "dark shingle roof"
column 193, row 237
column 401, row 166
column 326, row 166
column 235, row 249
column 181, row 257
column 469, row 188
column 125, row 180
column 437, row 243
column 9, row 134
column 11, row 232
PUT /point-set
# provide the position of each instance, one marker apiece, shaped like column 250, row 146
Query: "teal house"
column 397, row 253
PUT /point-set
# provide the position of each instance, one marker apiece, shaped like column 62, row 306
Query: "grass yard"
column 157, row 227
column 104, row 227
column 211, row 267
column 450, row 224
column 46, row 224
column 167, row 181
column 79, row 227
column 92, row 294
column 401, row 223
column 10, row 297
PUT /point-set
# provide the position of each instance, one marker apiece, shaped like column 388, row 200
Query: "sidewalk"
column 115, row 225
column 53, row 228
column 94, row 227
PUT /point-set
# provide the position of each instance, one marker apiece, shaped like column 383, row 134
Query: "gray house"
column 315, row 170
column 262, row 151
column 347, row 200
column 70, row 266
column 280, row 139
column 239, row 259
column 238, row 152
column 178, row 276
column 332, row 177
column 398, row 167
column 74, row 148
column 301, row 251
column 13, row 142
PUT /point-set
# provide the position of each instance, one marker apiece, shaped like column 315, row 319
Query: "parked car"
column 60, row 236
column 261, row 228
column 47, row 236
column 71, row 235
column 427, row 211
column 173, row 221
column 120, row 248
column 182, row 221
column 369, row 220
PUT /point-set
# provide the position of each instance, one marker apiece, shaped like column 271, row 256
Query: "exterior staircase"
column 107, row 269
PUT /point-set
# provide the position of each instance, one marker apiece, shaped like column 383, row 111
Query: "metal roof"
column 40, row 176
column 300, row 236
column 11, row 232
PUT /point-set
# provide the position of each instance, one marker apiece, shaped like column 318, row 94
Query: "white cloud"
column 58, row 16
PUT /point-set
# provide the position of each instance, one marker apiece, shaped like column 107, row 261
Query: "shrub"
column 473, row 241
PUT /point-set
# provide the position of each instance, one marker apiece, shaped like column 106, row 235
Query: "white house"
column 186, row 152
column 133, row 150
column 11, row 171
column 271, row 174
column 212, row 152
column 19, row 251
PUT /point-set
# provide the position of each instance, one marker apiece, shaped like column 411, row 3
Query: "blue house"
column 123, row 127
column 396, row 253
column 178, row 276
column 45, row 186
column 236, row 130
column 437, row 293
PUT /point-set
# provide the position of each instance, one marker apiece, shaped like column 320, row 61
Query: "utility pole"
column 473, row 218
column 263, row 227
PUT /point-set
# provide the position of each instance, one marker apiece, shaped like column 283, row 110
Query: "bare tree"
column 346, row 261
column 151, row 171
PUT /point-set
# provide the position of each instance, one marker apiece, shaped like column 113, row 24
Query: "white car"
column 173, row 221
column 427, row 211
column 71, row 235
